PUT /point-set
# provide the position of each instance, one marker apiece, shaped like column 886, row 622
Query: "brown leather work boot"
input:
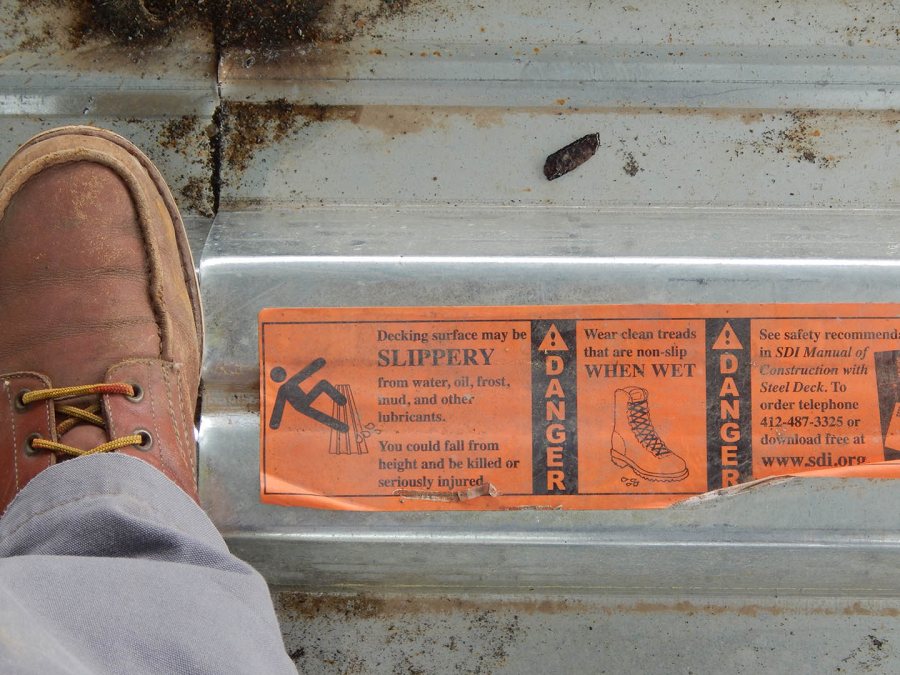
column 101, row 328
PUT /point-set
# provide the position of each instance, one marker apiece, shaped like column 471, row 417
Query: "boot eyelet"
column 138, row 393
column 30, row 450
column 20, row 404
column 146, row 439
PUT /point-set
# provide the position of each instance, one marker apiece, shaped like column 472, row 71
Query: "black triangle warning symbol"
column 727, row 339
column 553, row 341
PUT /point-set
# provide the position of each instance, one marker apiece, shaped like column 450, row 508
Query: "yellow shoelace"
column 75, row 415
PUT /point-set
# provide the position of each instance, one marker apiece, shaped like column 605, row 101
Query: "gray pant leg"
column 108, row 567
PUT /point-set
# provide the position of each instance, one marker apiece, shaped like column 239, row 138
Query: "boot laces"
column 639, row 419
column 73, row 416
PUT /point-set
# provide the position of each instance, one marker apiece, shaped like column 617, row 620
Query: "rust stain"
column 689, row 608
column 251, row 126
column 308, row 62
column 310, row 605
column 799, row 135
column 482, row 118
column 890, row 118
column 751, row 117
column 797, row 139
column 856, row 609
column 398, row 121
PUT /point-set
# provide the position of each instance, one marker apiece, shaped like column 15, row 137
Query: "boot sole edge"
column 623, row 462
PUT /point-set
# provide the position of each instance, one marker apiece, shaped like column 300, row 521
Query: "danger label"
column 570, row 407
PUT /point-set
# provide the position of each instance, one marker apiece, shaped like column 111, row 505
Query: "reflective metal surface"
column 762, row 539
column 748, row 154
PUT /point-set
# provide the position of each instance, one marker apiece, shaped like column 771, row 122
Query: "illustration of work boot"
column 635, row 443
column 101, row 324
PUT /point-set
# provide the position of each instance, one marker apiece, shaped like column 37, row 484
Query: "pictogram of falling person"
column 302, row 401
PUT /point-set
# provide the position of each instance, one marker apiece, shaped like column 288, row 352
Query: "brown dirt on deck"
column 251, row 126
column 800, row 141
column 261, row 27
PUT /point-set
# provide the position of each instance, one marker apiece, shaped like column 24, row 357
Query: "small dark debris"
column 261, row 27
column 197, row 197
column 266, row 25
column 130, row 21
column 571, row 157
column 631, row 167
column 250, row 126
column 176, row 134
column 798, row 142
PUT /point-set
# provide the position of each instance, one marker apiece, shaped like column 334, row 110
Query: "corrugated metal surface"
column 396, row 633
column 363, row 131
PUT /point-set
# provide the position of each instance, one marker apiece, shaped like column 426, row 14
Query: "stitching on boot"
column 188, row 437
column 15, row 448
column 182, row 246
column 175, row 428
column 159, row 450
column 147, row 365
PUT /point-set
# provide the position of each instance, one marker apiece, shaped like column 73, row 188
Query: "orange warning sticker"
column 572, row 407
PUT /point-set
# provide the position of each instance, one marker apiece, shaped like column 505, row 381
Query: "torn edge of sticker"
column 483, row 490
column 859, row 471
column 734, row 490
